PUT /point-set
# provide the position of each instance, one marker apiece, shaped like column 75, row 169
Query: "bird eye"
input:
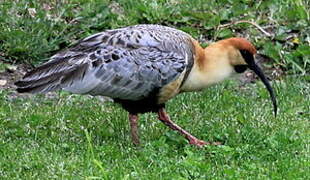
column 247, row 56
column 240, row 68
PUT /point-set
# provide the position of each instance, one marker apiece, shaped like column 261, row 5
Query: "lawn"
column 33, row 30
column 67, row 136
column 70, row 136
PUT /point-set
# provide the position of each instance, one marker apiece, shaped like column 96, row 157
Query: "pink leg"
column 164, row 117
column 133, row 120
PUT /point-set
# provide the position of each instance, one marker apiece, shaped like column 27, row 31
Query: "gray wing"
column 127, row 63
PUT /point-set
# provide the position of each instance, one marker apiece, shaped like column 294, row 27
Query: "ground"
column 70, row 136
column 66, row 136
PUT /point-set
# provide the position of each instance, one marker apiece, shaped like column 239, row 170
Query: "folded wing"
column 127, row 63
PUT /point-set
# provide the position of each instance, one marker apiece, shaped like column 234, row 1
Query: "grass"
column 80, row 137
column 33, row 30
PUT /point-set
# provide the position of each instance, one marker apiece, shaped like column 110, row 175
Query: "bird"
column 143, row 66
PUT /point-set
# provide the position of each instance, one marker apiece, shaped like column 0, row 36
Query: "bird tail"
column 51, row 76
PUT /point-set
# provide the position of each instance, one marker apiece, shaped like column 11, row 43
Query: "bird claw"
column 201, row 143
column 197, row 142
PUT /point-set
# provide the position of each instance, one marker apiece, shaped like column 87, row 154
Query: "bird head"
column 221, row 59
column 242, row 58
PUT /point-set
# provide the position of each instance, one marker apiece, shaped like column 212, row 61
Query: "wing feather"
column 127, row 63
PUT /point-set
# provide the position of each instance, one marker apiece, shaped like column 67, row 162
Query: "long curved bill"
column 261, row 75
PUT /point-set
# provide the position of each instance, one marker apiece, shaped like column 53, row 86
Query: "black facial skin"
column 249, row 59
column 240, row 68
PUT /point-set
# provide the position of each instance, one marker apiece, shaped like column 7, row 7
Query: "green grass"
column 80, row 137
column 33, row 30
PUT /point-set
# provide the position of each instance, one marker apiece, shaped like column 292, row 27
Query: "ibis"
column 141, row 67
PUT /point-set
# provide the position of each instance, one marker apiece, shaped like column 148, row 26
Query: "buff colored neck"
column 211, row 65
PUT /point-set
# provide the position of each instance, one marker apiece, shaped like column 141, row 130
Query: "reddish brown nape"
column 241, row 44
column 238, row 43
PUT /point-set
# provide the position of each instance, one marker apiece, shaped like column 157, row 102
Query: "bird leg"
column 133, row 120
column 164, row 117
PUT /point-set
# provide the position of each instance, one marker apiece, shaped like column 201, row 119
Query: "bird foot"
column 197, row 142
column 201, row 143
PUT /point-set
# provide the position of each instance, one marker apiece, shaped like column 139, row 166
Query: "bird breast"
column 170, row 90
